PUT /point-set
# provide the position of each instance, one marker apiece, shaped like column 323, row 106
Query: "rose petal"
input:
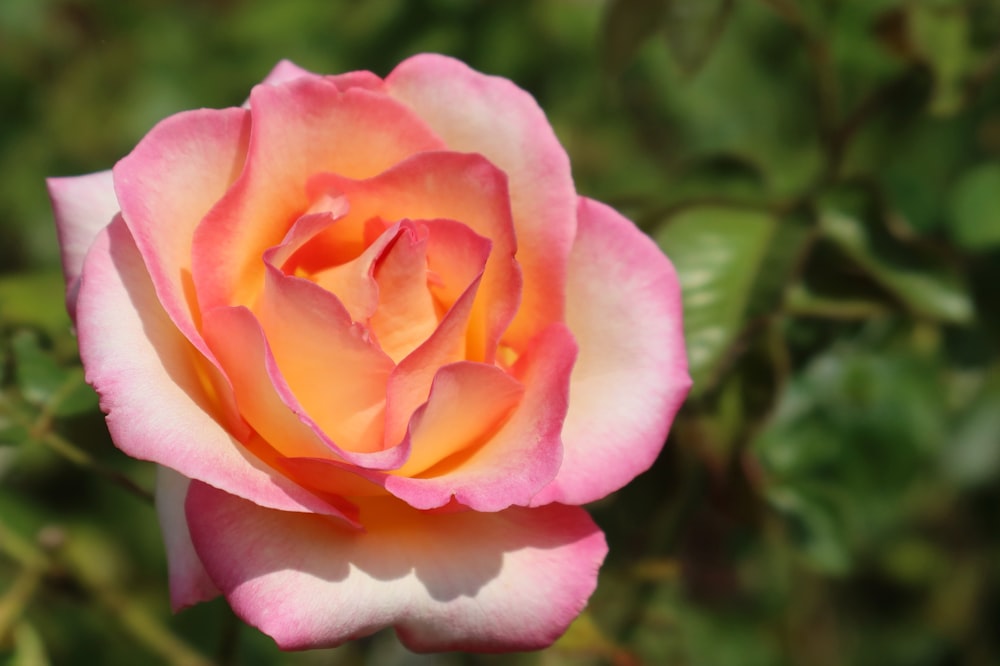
column 353, row 282
column 189, row 584
column 303, row 127
column 517, row 460
column 359, row 79
column 512, row 580
column 406, row 314
column 456, row 256
column 244, row 355
column 489, row 115
column 411, row 380
column 166, row 185
column 337, row 374
column 441, row 185
column 285, row 71
column 308, row 335
column 468, row 403
column 304, row 230
column 155, row 387
column 624, row 307
column 83, row 205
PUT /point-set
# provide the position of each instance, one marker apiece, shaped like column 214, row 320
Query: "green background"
column 826, row 177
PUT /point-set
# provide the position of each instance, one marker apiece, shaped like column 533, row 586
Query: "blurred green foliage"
column 825, row 175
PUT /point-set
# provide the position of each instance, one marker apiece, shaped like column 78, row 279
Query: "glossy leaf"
column 973, row 207
column 34, row 299
column 928, row 290
column 692, row 28
column 720, row 256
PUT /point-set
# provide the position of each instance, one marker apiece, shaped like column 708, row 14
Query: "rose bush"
column 381, row 350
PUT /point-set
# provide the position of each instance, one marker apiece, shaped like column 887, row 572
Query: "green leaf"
column 29, row 647
column 815, row 527
column 74, row 397
column 43, row 382
column 39, row 376
column 34, row 299
column 854, row 430
column 928, row 290
column 627, row 24
column 972, row 458
column 12, row 431
column 941, row 34
column 973, row 207
column 719, row 254
column 692, row 28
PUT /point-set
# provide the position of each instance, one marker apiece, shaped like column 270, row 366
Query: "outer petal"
column 83, row 205
column 303, row 127
column 490, row 115
column 148, row 376
column 624, row 307
column 166, row 185
column 285, row 70
column 512, row 580
column 189, row 584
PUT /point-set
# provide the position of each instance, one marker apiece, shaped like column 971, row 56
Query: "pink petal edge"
column 83, row 205
column 145, row 372
column 284, row 71
column 624, row 307
column 166, row 186
column 462, row 580
column 490, row 115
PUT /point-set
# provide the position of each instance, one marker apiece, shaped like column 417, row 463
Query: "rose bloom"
column 381, row 351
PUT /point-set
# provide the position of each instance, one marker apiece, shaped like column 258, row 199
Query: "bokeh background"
column 825, row 174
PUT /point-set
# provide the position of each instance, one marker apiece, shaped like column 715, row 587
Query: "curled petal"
column 156, row 388
column 468, row 403
column 514, row 462
column 410, row 382
column 441, row 186
column 303, row 127
column 83, row 205
column 312, row 336
column 491, row 116
column 457, row 580
column 407, row 313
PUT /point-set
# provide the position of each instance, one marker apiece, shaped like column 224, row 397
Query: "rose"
column 381, row 350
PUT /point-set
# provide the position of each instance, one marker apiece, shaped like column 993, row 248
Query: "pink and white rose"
column 381, row 350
